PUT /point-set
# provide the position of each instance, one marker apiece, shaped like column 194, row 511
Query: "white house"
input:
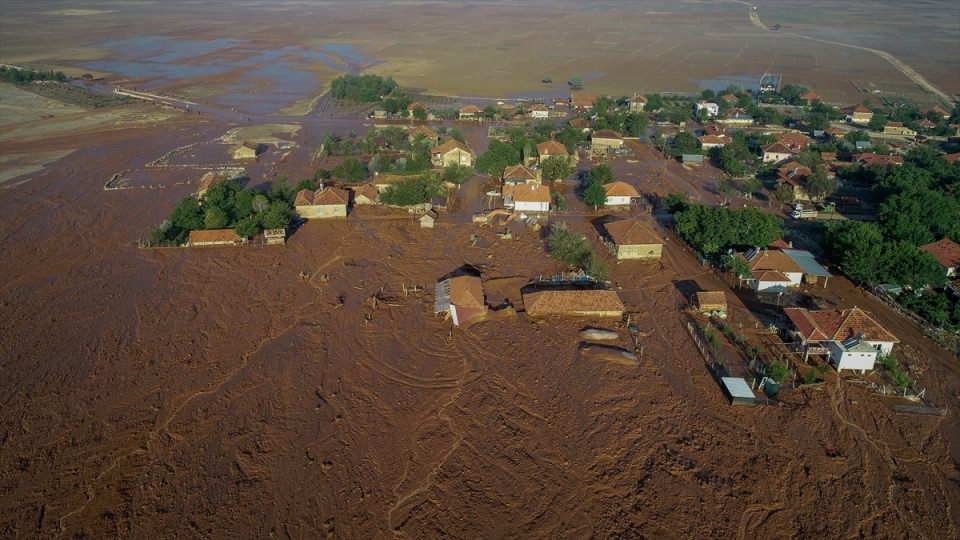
column 712, row 108
column 851, row 337
column 526, row 197
column 776, row 152
column 620, row 194
column 772, row 270
column 852, row 353
column 539, row 110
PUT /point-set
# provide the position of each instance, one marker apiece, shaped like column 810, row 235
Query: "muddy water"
column 257, row 81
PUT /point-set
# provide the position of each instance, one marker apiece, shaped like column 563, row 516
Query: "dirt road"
column 901, row 66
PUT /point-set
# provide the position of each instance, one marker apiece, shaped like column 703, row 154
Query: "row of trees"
column 23, row 75
column 227, row 205
column 362, row 88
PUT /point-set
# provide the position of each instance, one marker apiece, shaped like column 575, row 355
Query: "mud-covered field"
column 265, row 54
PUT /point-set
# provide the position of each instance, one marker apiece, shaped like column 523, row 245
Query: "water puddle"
column 261, row 81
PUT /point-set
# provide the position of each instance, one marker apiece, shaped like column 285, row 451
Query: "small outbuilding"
column 275, row 236
column 713, row 303
column 738, row 391
column 693, row 160
column 428, row 220
column 247, row 150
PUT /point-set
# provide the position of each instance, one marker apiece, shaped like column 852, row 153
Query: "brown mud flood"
column 309, row 389
column 224, row 391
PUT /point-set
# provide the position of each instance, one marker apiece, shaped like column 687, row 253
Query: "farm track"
column 900, row 65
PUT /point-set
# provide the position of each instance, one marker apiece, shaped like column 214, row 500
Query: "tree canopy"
column 713, row 230
column 362, row 88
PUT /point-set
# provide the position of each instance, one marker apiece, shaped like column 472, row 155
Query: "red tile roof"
column 946, row 252
column 450, row 145
column 331, row 196
column 620, row 189
column 527, row 193
column 218, row 236
column 837, row 325
column 304, row 198
column 777, row 148
column 606, row 134
column 552, row 148
column 466, row 291
column 519, row 172
column 631, row 232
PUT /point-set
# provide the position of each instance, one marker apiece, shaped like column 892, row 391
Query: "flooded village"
column 241, row 302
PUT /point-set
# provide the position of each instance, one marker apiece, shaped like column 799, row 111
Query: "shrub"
column 777, row 371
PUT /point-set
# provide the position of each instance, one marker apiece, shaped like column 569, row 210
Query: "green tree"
column 416, row 190
column 456, row 173
column 489, row 112
column 634, row 124
column 575, row 81
column 818, row 187
column 777, row 371
column 556, row 168
column 601, row 174
column 215, row 218
column 750, row 185
column 247, row 227
column 877, row 121
column 277, row 216
column 547, row 79
column 737, row 266
column 419, row 113
column 594, row 195
column 859, row 248
column 187, row 215
column 351, row 170
column 685, row 143
column 559, row 202
column 654, row 103
column 499, row 155
column 784, row 193
column 259, row 204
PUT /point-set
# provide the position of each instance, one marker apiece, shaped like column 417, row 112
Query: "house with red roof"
column 776, row 152
column 462, row 297
column 858, row 114
column 852, row 338
column 771, row 271
column 323, row 203
column 947, row 253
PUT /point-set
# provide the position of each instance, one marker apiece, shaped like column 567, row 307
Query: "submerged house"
column 462, row 297
column 573, row 302
column 632, row 239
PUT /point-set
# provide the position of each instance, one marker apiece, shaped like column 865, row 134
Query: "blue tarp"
column 806, row 261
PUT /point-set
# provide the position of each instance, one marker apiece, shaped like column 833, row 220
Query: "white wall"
column 851, row 360
column 614, row 201
column 884, row 346
column 531, row 206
